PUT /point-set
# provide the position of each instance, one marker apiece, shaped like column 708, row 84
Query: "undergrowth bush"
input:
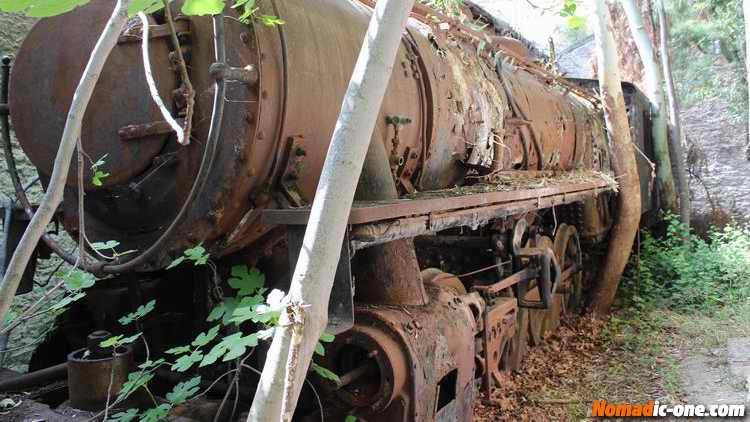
column 683, row 272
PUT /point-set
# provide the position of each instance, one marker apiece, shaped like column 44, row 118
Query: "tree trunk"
column 746, row 13
column 675, row 128
column 54, row 194
column 623, row 161
column 654, row 92
column 306, row 315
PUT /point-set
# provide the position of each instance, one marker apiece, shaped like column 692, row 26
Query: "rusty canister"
column 89, row 376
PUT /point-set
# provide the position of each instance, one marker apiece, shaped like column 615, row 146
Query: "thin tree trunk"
column 54, row 194
column 746, row 13
column 623, row 162
column 675, row 128
column 654, row 92
column 303, row 322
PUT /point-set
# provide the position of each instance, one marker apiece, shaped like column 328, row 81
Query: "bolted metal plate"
column 46, row 74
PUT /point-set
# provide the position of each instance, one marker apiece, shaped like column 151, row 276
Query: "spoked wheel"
column 542, row 322
column 568, row 252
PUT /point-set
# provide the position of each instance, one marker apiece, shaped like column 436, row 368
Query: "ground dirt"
column 631, row 357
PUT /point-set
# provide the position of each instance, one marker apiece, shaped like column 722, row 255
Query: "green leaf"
column 319, row 349
column 15, row 6
column 327, row 337
column 111, row 342
column 139, row 313
column 98, row 176
column 205, row 338
column 243, row 3
column 79, row 280
column 350, row 418
column 120, row 340
column 247, row 309
column 269, row 20
column 42, row 8
column 576, row 22
column 156, row 414
column 197, row 254
column 135, row 381
column 126, row 416
column 324, row 373
column 149, row 364
column 67, row 300
column 217, row 312
column 185, row 362
column 246, row 281
column 176, row 262
column 128, row 340
column 145, row 6
column 179, row 350
column 184, row 390
column 203, row 7
column 230, row 347
column 110, row 244
column 224, row 310
column 238, row 348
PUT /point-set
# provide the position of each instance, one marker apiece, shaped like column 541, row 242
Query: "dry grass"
column 621, row 359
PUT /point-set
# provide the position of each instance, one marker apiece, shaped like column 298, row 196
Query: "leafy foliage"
column 184, row 390
column 196, row 254
column 139, row 313
column 126, row 416
column 47, row 8
column 324, row 373
column 575, row 21
column 684, row 272
column 708, row 47
column 118, row 341
column 76, row 281
column 99, row 175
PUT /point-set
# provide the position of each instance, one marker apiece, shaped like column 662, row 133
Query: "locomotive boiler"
column 485, row 179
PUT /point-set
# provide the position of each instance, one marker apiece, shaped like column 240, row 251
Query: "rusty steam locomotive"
column 483, row 193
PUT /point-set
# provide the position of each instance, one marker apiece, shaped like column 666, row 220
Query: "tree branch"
column 54, row 195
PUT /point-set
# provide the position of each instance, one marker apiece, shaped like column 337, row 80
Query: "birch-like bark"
column 294, row 341
column 54, row 194
column 746, row 13
column 623, row 162
column 653, row 81
column 152, row 83
column 675, row 127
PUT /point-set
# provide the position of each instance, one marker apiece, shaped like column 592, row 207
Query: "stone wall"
column 12, row 30
column 719, row 152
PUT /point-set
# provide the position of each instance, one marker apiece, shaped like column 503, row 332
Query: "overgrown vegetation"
column 708, row 45
column 684, row 272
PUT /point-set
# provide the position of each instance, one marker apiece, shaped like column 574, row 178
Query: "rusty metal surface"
column 89, row 378
column 448, row 110
column 499, row 330
column 413, row 353
column 434, row 202
column 46, row 73
column 366, row 235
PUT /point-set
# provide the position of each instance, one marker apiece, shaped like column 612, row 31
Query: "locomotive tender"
column 484, row 189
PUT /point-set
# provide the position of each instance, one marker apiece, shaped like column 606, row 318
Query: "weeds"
column 683, row 272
